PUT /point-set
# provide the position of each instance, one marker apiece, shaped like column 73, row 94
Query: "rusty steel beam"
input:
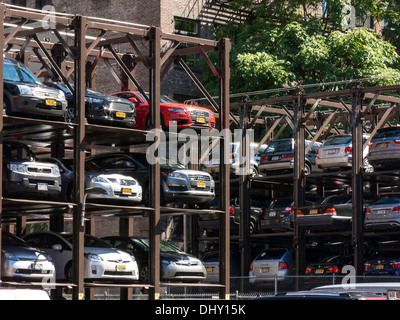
column 79, row 158
column 155, row 173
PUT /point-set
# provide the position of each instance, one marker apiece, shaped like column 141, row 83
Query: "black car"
column 176, row 265
column 384, row 262
column 25, row 94
column 177, row 183
column 279, row 215
column 327, row 271
column 100, row 108
column 256, row 210
column 24, row 174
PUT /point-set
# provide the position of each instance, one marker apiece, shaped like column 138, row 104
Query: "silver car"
column 384, row 151
column 384, row 213
column 276, row 264
column 336, row 153
column 21, row 261
column 102, row 261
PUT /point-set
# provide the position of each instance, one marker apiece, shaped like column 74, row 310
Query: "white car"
column 102, row 261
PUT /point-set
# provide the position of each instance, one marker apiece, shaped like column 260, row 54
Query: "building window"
column 21, row 3
column 186, row 26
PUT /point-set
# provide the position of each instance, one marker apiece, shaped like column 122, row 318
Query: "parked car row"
column 121, row 176
column 48, row 256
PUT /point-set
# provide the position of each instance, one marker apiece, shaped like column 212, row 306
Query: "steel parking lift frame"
column 80, row 44
column 315, row 115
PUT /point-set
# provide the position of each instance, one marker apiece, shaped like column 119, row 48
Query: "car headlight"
column 8, row 255
column 176, row 175
column 176, row 110
column 93, row 257
column 56, row 170
column 98, row 179
column 169, row 261
column 61, row 95
column 17, row 167
column 25, row 90
column 133, row 258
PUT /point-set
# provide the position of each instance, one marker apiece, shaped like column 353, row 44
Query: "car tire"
column 254, row 173
column 307, row 169
column 367, row 166
column 69, row 115
column 144, row 274
column 7, row 106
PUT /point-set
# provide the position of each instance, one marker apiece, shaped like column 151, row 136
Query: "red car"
column 183, row 115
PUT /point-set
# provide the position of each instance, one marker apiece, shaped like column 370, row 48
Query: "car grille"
column 39, row 170
column 32, row 271
column 196, row 114
column 119, row 106
column 123, row 182
column 44, row 94
column 34, row 181
column 189, row 274
column 196, row 180
column 197, row 177
column 119, row 273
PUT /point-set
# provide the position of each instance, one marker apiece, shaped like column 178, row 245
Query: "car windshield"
column 279, row 146
column 387, row 133
column 386, row 254
column 337, row 141
column 11, row 240
column 18, row 152
column 19, row 73
column 283, row 202
column 165, row 163
column 164, row 246
column 271, row 254
column 90, row 241
column 388, row 199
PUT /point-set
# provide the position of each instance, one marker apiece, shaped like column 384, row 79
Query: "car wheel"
column 7, row 106
column 254, row 172
column 144, row 274
column 146, row 197
column 367, row 166
column 307, row 169
column 69, row 115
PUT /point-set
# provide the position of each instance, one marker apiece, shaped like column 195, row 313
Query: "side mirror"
column 57, row 247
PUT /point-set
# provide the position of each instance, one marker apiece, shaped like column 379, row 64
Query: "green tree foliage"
column 286, row 43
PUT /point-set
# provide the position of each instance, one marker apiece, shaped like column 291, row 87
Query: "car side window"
column 35, row 241
column 116, row 163
column 52, row 240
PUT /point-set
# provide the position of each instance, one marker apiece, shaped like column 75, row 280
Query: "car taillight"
column 317, row 152
column 308, row 270
column 367, row 266
column 334, row 269
column 396, row 141
column 251, row 266
column 283, row 265
column 289, row 210
column 299, row 213
column 287, row 155
column 263, row 158
column 233, row 156
column 396, row 210
column 348, row 149
column 395, row 265
column 331, row 211
column 231, row 209
column 368, row 211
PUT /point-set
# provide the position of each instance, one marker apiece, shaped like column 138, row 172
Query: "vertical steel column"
column 126, row 230
column 2, row 43
column 155, row 174
column 80, row 25
column 224, row 226
column 299, row 185
column 244, row 199
column 357, row 183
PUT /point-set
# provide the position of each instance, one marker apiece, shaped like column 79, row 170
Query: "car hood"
column 26, row 253
column 108, row 253
column 184, row 106
column 177, row 256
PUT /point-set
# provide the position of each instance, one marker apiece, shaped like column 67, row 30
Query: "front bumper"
column 27, row 270
column 38, row 106
column 173, row 271
column 30, row 183
column 108, row 270
column 117, row 192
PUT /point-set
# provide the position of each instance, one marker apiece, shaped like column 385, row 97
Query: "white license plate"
column 272, row 214
column 274, row 158
column 382, row 211
column 331, row 151
column 42, row 186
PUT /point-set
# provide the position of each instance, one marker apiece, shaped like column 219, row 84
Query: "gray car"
column 384, row 213
column 336, row 153
column 20, row 261
column 25, row 94
column 275, row 264
column 279, row 157
column 384, row 151
column 24, row 174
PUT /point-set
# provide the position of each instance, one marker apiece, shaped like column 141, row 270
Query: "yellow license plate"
column 379, row 266
column 120, row 114
column 265, row 269
column 209, row 269
column 202, row 120
column 319, row 271
column 121, row 267
column 313, row 211
column 383, row 145
column 126, row 191
column 50, row 102
column 201, row 184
